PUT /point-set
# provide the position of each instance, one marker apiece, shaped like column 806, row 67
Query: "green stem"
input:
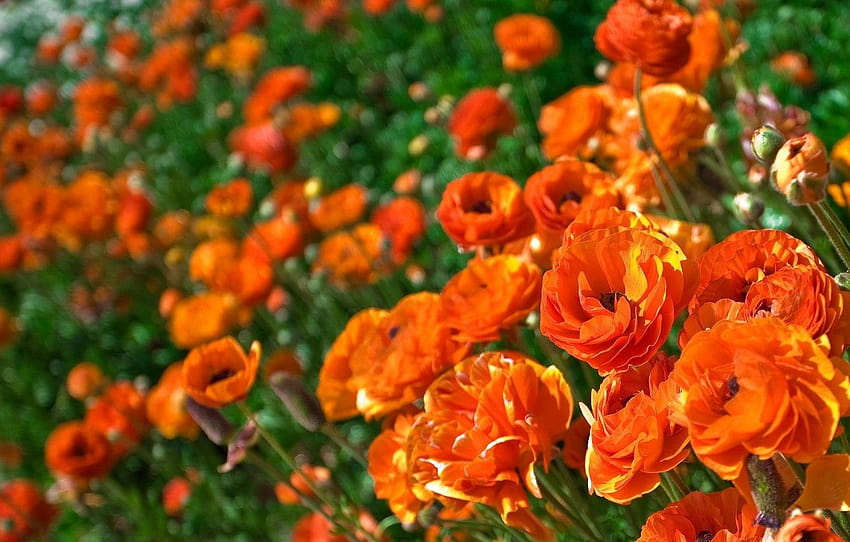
column 333, row 433
column 836, row 221
column 551, row 495
column 677, row 480
column 831, row 232
column 575, row 496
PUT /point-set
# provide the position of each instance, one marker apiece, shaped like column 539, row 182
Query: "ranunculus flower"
column 526, row 41
column 490, row 296
column 478, row 120
column 612, row 296
column 651, row 34
column 487, row 422
column 24, row 512
column 76, row 450
column 758, row 387
column 632, row 438
column 557, row 193
column 231, row 199
column 800, row 170
column 677, row 120
column 570, row 123
column 220, row 314
column 484, row 209
column 723, row 516
column 403, row 222
column 119, row 415
column 219, row 373
column 340, row 208
column 165, row 405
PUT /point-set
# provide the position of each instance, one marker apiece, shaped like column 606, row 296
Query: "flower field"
column 444, row 270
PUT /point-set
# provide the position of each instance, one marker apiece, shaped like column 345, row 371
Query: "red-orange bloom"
column 74, row 449
column 340, row 208
column 723, row 516
column 651, row 34
column 276, row 87
column 632, row 438
column 526, row 41
column 403, row 222
column 478, row 121
column 337, row 390
column 557, row 193
column 800, row 169
column 486, row 423
column 807, row 528
column 613, row 294
column 263, row 147
column 355, row 257
column 729, row 268
column 230, row 200
column 85, row 380
column 165, row 405
column 403, row 354
column 220, row 315
column 677, row 120
column 175, row 495
column 570, row 123
column 759, row 387
column 490, row 296
column 484, row 209
column 219, row 373
column 119, row 415
column 24, row 512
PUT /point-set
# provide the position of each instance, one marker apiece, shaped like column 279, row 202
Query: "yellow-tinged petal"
column 827, row 484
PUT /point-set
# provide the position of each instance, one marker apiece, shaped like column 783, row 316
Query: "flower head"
column 219, row 373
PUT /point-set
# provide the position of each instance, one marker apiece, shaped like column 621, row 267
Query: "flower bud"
column 214, row 425
column 766, row 142
column 800, row 170
column 239, row 445
column 749, row 208
column 300, row 402
column 768, row 493
column 843, row 281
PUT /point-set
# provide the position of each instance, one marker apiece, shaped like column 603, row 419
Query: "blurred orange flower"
column 175, row 495
column 274, row 88
column 758, row 387
column 677, row 120
column 230, row 200
column 291, row 493
column 556, row 193
column 210, row 259
column 340, row 208
column 484, row 209
column 402, row 221
column 262, row 146
column 632, row 438
column 85, row 380
column 24, row 512
column 526, row 41
column 693, row 238
column 807, row 528
column 352, row 258
column 165, row 405
column 491, row 295
column 220, row 314
column 273, row 240
column 569, row 134
column 478, row 120
column 74, row 449
column 219, row 373
column 652, row 34
column 723, row 516
column 119, row 415
column 795, row 67
column 620, row 315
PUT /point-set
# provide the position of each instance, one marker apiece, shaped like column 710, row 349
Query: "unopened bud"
column 800, row 170
column 239, row 445
column 300, row 402
column 766, row 142
column 214, row 425
column 714, row 135
column 749, row 208
column 768, row 493
column 843, row 281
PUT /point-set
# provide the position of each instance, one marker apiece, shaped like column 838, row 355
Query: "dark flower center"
column 705, row 536
column 393, row 331
column 609, row 300
column 481, row 207
column 732, row 388
column 572, row 195
column 223, row 374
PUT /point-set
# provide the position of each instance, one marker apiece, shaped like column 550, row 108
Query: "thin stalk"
column 672, row 488
column 552, row 496
column 333, row 433
column 575, row 496
column 678, row 481
column 669, row 491
column 832, row 233
column 836, row 222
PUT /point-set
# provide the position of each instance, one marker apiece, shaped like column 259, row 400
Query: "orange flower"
column 89, row 207
column 729, row 268
column 171, row 227
column 219, row 373
column 557, row 193
column 694, row 239
column 478, row 120
column 291, row 493
column 708, row 314
column 378, row 7
column 651, row 34
column 526, row 41
column 24, row 512
column 276, row 87
column 490, row 295
column 283, row 360
column 795, row 67
column 165, row 405
column 340, row 374
column 220, row 315
column 759, row 387
column 340, row 208
column 239, row 55
column 352, row 258
column 807, row 528
column 486, row 423
column 800, row 170
column 575, row 445
column 677, row 120
column 230, row 200
column 262, row 146
column 41, row 98
column 119, row 415
column 210, row 259
column 403, row 354
column 11, row 252
column 484, row 209
column 74, row 449
column 723, row 516
column 316, row 528
column 273, row 240
column 175, row 495
column 389, row 469
column 566, row 133
column 632, row 438
column 85, row 380
column 403, row 222
column 95, row 100
column 612, row 296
